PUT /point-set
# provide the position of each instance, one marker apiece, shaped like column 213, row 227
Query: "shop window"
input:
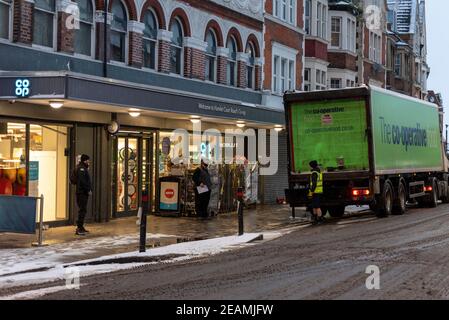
column 48, row 169
column 231, row 69
column 211, row 56
column 44, row 21
column 150, row 40
column 176, row 49
column 251, row 73
column 5, row 18
column 12, row 159
column 118, row 32
column 83, row 35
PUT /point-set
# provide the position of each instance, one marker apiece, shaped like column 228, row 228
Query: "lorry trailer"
column 374, row 147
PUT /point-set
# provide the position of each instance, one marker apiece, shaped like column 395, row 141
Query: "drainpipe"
column 105, row 34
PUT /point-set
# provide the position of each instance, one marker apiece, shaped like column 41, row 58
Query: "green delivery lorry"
column 375, row 147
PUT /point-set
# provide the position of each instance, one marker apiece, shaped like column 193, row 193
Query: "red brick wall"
column 316, row 49
column 194, row 65
column 258, row 77
column 278, row 33
column 370, row 73
column 23, row 22
column 221, row 69
column 242, row 74
column 135, row 50
column 65, row 37
column 164, row 57
column 342, row 60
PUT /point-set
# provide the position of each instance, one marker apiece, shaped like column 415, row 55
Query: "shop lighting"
column 278, row 128
column 134, row 114
column 241, row 125
column 56, row 104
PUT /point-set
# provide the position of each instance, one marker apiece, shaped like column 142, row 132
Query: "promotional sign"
column 17, row 214
column 169, row 196
column 34, row 179
column 330, row 132
column 406, row 133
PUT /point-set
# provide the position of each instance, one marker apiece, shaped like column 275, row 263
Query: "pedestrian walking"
column 315, row 192
column 203, row 185
column 81, row 178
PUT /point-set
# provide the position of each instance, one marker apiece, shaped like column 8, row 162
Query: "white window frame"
column 336, row 80
column 375, row 47
column 181, row 74
column 339, row 33
column 236, row 62
column 307, row 80
column 285, row 10
column 92, row 35
column 215, row 57
column 156, row 47
column 308, row 17
column 10, row 19
column 126, row 36
column 288, row 55
column 55, row 31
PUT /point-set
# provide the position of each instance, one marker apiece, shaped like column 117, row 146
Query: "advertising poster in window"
column 34, row 179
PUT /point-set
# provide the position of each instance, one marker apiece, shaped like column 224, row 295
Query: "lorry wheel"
column 445, row 197
column 337, row 212
column 433, row 197
column 386, row 201
column 400, row 205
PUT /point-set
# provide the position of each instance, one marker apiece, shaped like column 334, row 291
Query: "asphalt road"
column 325, row 262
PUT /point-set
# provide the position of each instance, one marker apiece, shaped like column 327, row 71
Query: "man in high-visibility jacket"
column 315, row 192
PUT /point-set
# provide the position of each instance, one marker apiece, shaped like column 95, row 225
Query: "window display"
column 12, row 159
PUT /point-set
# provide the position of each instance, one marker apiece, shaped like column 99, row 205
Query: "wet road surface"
column 325, row 262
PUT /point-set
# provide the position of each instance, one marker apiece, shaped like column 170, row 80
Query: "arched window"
column 44, row 21
column 176, row 50
column 231, row 69
column 150, row 40
column 5, row 18
column 211, row 56
column 83, row 35
column 251, row 67
column 118, row 32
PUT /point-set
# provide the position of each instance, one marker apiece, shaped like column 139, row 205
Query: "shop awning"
column 97, row 90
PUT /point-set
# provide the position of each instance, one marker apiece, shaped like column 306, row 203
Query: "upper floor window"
column 211, row 56
column 336, row 83
column 307, row 79
column 283, row 74
column 320, row 79
column 251, row 67
column 176, row 49
column 285, row 10
column 336, row 32
column 231, row 68
column 149, row 41
column 119, row 28
column 350, row 35
column 83, row 35
column 5, row 18
column 375, row 47
column 308, row 16
column 44, row 22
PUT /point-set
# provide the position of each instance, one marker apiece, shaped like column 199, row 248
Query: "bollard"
column 143, row 232
column 240, row 210
column 293, row 213
column 40, row 241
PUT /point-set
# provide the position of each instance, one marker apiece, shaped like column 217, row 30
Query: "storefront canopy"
column 97, row 90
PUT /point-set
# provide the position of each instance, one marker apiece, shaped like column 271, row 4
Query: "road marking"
column 33, row 294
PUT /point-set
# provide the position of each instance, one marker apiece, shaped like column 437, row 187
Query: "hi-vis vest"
column 319, row 182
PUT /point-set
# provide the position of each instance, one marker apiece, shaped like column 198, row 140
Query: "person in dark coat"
column 201, row 178
column 83, row 190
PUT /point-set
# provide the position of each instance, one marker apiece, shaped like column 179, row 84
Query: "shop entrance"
column 133, row 173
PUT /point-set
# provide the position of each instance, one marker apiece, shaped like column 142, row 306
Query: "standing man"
column 83, row 190
column 316, row 190
column 201, row 178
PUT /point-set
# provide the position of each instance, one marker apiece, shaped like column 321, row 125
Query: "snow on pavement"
column 188, row 250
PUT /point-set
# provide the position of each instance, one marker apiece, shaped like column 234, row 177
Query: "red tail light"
column 360, row 192
column 428, row 189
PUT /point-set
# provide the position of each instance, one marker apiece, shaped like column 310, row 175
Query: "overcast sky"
column 438, row 48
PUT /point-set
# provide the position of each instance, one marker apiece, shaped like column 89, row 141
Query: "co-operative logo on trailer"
column 22, row 88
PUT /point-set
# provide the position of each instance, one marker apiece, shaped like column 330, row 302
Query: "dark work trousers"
column 81, row 200
column 202, row 203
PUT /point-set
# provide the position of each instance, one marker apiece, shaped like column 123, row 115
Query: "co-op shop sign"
column 22, row 88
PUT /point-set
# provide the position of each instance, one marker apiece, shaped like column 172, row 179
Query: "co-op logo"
column 23, row 87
